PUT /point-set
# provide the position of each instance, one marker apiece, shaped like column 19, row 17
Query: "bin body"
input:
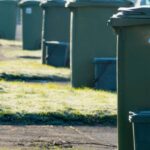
column 8, row 16
column 141, row 129
column 133, row 69
column 57, row 53
column 90, row 37
column 105, row 73
column 55, row 23
column 31, row 24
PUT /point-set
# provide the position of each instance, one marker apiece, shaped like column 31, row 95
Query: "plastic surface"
column 90, row 38
column 55, row 23
column 141, row 129
column 8, row 17
column 131, row 16
column 105, row 73
column 56, row 3
column 133, row 44
column 31, row 24
column 25, row 3
column 57, row 53
column 97, row 3
column 139, row 117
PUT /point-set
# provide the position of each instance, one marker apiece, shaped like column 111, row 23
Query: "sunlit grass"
column 52, row 97
column 10, row 42
column 48, row 102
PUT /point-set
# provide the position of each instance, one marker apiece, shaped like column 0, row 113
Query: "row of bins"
column 77, row 30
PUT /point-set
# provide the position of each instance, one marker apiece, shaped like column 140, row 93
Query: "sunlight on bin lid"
column 29, row 2
column 81, row 3
column 141, row 117
column 131, row 16
column 48, row 3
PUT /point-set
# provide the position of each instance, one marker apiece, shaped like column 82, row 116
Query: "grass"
column 32, row 93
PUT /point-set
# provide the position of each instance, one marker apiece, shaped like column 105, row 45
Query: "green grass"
column 32, row 93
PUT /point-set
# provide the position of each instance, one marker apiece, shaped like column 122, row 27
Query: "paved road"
column 82, row 137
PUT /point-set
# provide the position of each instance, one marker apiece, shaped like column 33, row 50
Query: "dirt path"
column 46, row 137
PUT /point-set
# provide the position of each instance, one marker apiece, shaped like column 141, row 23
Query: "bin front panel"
column 105, row 75
column 57, row 24
column 57, row 54
column 133, row 78
column 32, row 27
column 91, row 37
column 141, row 133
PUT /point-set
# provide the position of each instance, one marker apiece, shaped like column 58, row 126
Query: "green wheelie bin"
column 141, row 129
column 8, row 17
column 31, row 24
column 55, row 23
column 132, row 27
column 90, row 36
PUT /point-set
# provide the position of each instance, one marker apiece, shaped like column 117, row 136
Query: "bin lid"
column 49, row 3
column 139, row 117
column 23, row 3
column 131, row 16
column 98, row 3
column 104, row 60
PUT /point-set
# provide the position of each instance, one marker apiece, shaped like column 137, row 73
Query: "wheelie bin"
column 90, row 36
column 133, row 44
column 8, row 17
column 31, row 24
column 55, row 23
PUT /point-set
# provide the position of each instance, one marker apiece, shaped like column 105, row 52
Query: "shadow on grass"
column 33, row 78
column 57, row 118
column 29, row 57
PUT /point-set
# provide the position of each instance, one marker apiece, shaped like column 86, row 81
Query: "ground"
column 63, row 137
column 44, row 137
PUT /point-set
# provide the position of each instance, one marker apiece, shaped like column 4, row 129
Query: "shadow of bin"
column 105, row 73
column 141, row 129
column 57, row 53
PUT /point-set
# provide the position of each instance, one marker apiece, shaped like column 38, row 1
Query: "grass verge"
column 32, row 93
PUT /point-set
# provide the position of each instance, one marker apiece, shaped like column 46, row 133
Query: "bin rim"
column 98, row 60
column 52, row 3
column 24, row 3
column 100, row 3
column 139, row 117
column 130, row 16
